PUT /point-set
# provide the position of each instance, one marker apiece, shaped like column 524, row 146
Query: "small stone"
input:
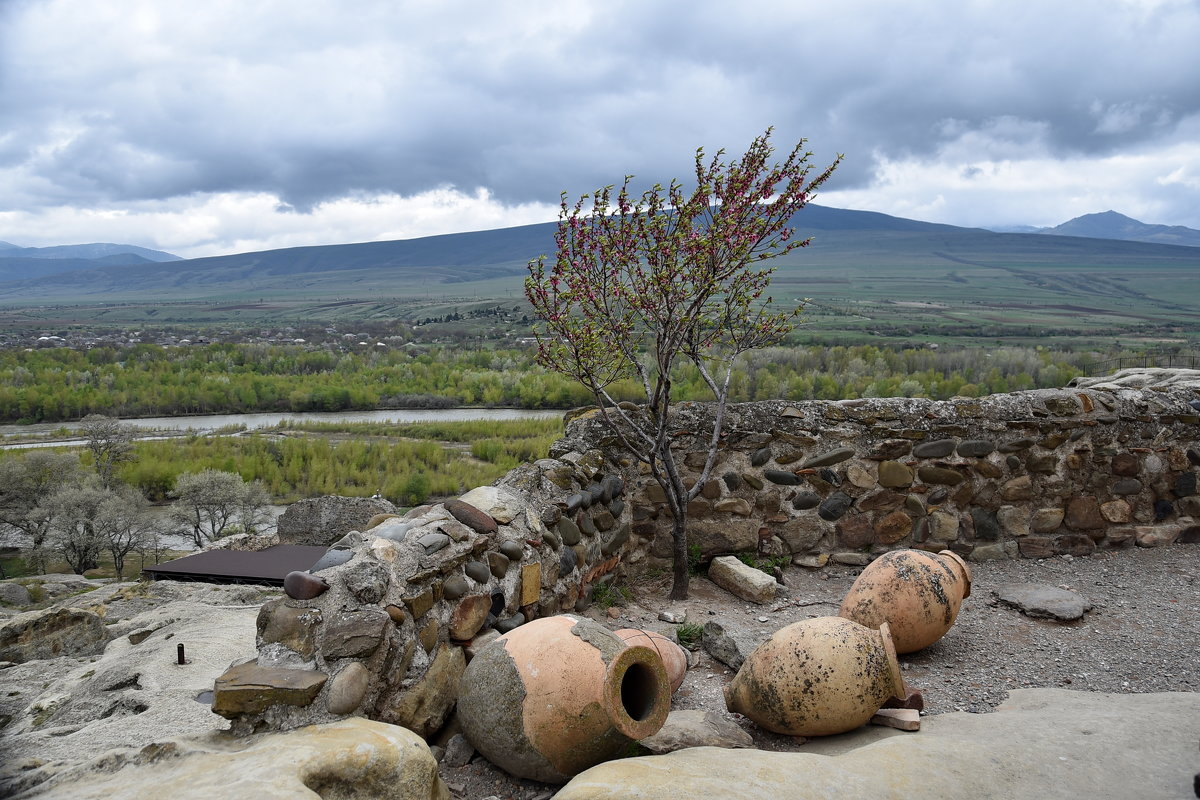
column 1125, row 465
column 478, row 571
column 673, row 617
column 471, row 516
column 348, row 688
column 903, row 719
column 512, row 550
column 828, row 459
column 986, row 524
column 432, row 542
column 303, row 586
column 835, row 506
column 459, row 752
column 1074, row 544
column 1019, row 488
column 734, row 505
column 566, row 561
column 1083, row 514
column 469, row 616
column 1017, row 446
column 780, row 477
column 332, row 558
column 248, row 688
column 732, row 480
column 455, row 587
column 698, row 728
column 975, row 448
column 893, row 527
column 940, row 476
column 805, row 501
column 419, row 604
column 1035, row 547
column 1047, row 519
column 1127, row 486
column 367, row 580
column 1146, row 536
column 509, row 623
column 893, row 475
column 760, row 457
column 354, row 634
column 755, row 482
column 815, row 561
column 935, row 449
column 851, row 559
column 1116, row 511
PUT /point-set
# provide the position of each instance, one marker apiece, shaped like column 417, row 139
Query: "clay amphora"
column 817, row 677
column 917, row 593
column 673, row 656
column 560, row 694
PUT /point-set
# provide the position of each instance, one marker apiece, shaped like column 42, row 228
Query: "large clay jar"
column 673, row 656
column 558, row 695
column 817, row 677
column 917, row 593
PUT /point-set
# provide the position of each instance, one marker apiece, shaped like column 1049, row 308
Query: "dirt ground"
column 1142, row 635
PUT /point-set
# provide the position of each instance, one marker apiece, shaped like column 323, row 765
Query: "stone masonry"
column 384, row 624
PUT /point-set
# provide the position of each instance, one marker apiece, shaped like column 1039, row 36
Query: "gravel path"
column 1143, row 635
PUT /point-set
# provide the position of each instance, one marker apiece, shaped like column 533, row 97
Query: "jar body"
column 558, row 695
column 817, row 677
column 917, row 593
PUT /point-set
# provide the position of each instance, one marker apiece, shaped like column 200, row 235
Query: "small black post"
column 179, row 651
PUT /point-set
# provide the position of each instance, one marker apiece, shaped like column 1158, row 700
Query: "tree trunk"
column 679, row 548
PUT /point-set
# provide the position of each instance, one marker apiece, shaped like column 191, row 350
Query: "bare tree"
column 26, row 481
column 641, row 287
column 124, row 525
column 110, row 442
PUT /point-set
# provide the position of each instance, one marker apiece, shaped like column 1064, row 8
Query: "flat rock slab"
column 1041, row 743
column 1043, row 601
column 696, row 729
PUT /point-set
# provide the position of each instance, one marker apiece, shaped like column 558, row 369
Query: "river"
column 215, row 422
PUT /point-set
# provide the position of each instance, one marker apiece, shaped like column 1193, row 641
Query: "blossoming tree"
column 641, row 287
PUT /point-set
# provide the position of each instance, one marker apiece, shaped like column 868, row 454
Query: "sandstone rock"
column 893, row 475
column 1013, row 520
column 893, row 527
column 353, row 634
column 1125, row 465
column 500, row 504
column 1036, row 547
column 802, row 533
column 1043, row 601
column 423, row 706
column 348, row 688
column 1075, row 544
column 248, row 688
column 988, row 552
column 324, row 520
column 733, row 505
column 1019, row 488
column 469, row 616
column 353, row 758
column 51, row 633
column 685, row 729
column 1117, row 511
column 851, row 559
column 943, row 526
column 1155, row 536
column 294, row 628
column 1083, row 514
column 855, row 531
column 881, row 500
column 744, row 581
column 860, row 476
column 1047, row 519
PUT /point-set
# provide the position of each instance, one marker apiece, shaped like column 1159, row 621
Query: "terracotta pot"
column 817, row 677
column 561, row 694
column 673, row 656
column 917, row 593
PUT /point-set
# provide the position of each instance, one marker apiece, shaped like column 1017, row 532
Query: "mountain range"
column 847, row 244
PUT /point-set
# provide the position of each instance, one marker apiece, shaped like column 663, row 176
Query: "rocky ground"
column 1141, row 635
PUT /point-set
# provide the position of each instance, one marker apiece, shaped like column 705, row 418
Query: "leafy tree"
column 210, row 503
column 642, row 286
column 26, row 481
column 110, row 444
column 73, row 510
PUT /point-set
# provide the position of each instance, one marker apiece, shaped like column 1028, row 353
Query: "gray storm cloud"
column 104, row 103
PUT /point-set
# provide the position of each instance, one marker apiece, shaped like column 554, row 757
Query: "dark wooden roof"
column 236, row 566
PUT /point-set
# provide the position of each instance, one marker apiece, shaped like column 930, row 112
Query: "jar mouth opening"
column 889, row 649
column 637, row 691
column 966, row 570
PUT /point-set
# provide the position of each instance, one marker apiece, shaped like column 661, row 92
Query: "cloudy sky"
column 226, row 125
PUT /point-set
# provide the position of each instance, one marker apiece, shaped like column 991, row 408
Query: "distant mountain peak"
column 1114, row 225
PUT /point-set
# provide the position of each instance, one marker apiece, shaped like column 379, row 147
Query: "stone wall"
column 383, row 626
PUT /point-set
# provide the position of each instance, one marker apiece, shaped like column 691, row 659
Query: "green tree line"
column 147, row 380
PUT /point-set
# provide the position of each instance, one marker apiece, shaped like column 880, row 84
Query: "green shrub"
column 689, row 634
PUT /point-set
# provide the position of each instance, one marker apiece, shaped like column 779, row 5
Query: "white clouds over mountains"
column 223, row 126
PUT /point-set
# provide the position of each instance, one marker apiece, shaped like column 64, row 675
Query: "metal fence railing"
column 1111, row 365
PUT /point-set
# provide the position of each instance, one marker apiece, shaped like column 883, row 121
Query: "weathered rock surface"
column 685, row 729
column 730, row 645
column 1042, row 743
column 354, row 758
column 324, row 520
column 50, row 633
column 14, row 594
column 1042, row 601
column 744, row 581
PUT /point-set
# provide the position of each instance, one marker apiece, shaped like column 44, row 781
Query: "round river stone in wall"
column 835, row 506
column 455, row 587
column 805, row 501
column 937, row 449
column 348, row 688
column 781, row 477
